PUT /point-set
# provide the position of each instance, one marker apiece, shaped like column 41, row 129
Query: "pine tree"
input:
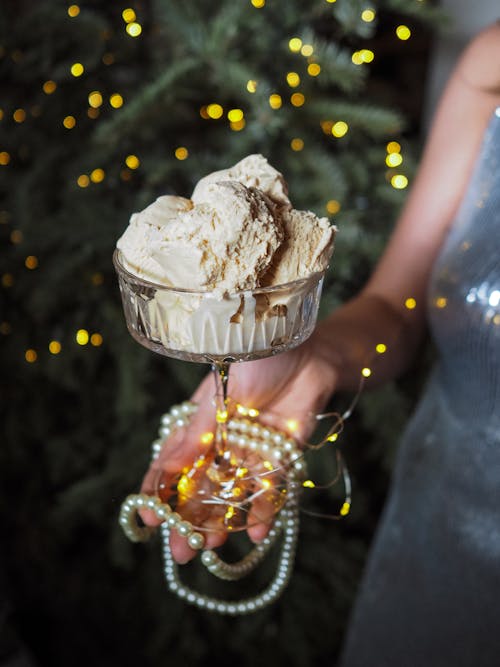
column 105, row 107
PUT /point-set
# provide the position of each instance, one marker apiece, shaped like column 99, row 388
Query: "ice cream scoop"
column 235, row 270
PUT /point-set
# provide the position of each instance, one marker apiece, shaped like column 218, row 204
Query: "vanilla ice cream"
column 237, row 234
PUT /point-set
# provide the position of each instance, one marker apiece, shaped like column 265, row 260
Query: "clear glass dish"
column 201, row 327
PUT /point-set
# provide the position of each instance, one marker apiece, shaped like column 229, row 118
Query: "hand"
column 294, row 384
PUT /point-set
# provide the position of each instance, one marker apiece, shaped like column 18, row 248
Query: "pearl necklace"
column 257, row 438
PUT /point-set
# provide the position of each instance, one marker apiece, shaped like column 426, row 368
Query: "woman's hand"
column 294, row 384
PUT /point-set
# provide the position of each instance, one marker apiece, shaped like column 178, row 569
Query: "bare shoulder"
column 479, row 66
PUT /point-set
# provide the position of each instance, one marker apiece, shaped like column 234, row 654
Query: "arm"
column 378, row 314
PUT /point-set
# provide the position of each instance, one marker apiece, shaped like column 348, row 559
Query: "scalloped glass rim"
column 119, row 266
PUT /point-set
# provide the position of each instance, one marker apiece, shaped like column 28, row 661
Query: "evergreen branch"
column 149, row 97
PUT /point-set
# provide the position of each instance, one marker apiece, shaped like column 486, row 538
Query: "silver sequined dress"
column 431, row 592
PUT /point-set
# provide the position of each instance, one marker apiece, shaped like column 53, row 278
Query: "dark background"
column 77, row 424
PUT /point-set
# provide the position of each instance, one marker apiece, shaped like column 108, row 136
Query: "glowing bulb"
column 129, row 15
column 368, row 15
column 258, row 3
column 295, row 44
column 332, row 206
column 366, row 55
column 82, row 337
column 241, row 472
column 30, row 356
column 275, row 101
column 77, row 69
column 292, row 425
column 340, row 128
column 297, row 144
column 251, row 85
column 181, row 153
column 134, row 29
column 313, row 69
column 399, row 181
column 403, row 32
column 19, row 115
column 394, row 159
column 69, row 122
column 393, row 147
column 31, row 262
column 441, row 302
column 73, row 10
column 4, row 158
column 333, row 437
column 207, row 438
column 54, row 347
column 221, row 416
column 253, row 412
column 356, row 58
column 309, row 484
column 235, row 115
column 345, row 509
column 410, row 303
column 266, row 483
column 293, row 79
column 132, row 161
column 116, row 100
column 83, row 181
column 297, row 99
column 97, row 175
column 49, row 87
column 366, row 372
column 307, row 50
column 381, row 348
column 95, row 99
column 215, row 111
column 96, row 339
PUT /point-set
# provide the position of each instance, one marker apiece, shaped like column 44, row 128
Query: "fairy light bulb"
column 132, row 161
column 340, row 128
column 133, row 29
column 69, row 122
column 77, row 69
column 82, row 337
column 399, row 181
column 295, row 44
column 403, row 32
column 215, row 111
column 181, row 153
column 116, row 100
column 275, row 101
column 49, row 87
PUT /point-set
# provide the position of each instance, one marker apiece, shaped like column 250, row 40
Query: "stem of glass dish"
column 221, row 376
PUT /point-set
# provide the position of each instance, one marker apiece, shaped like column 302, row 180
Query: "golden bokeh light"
column 181, row 153
column 132, row 161
column 77, row 69
column 116, row 100
column 275, row 101
column 69, row 122
column 340, row 128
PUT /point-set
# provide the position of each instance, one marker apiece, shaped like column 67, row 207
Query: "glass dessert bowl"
column 202, row 326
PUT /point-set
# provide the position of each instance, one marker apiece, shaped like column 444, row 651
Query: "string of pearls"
column 257, row 438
